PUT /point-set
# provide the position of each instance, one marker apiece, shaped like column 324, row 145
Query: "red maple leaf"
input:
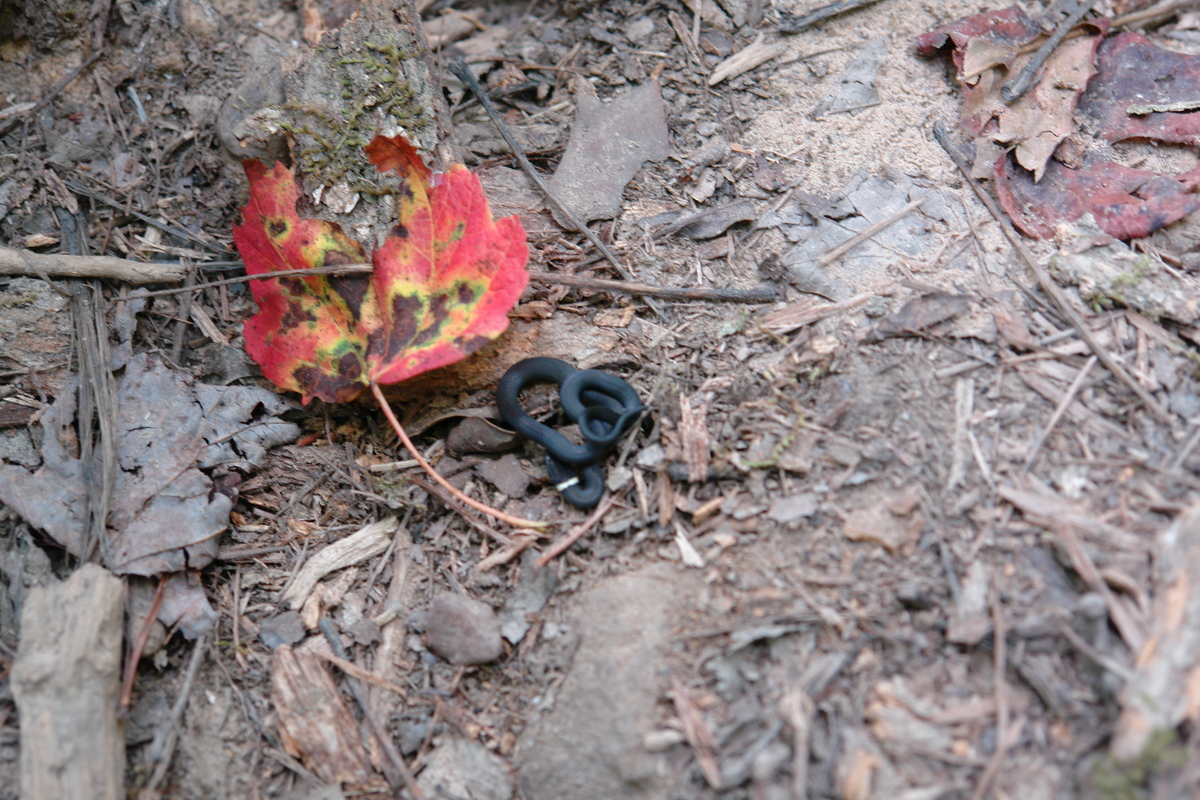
column 443, row 280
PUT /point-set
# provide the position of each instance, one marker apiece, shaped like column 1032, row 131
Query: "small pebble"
column 285, row 628
column 640, row 30
column 463, row 630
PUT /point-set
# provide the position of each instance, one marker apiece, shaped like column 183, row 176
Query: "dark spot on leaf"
column 294, row 285
column 336, row 258
column 459, row 229
column 350, row 367
column 352, row 289
column 404, row 327
column 469, row 344
column 340, row 388
column 295, row 316
column 466, row 294
column 400, row 232
column 405, row 191
column 277, row 228
column 438, row 314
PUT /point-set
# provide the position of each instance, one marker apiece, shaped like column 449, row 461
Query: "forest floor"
column 901, row 533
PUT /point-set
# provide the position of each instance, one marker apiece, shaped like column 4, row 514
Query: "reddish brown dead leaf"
column 1126, row 203
column 1133, row 73
column 988, row 54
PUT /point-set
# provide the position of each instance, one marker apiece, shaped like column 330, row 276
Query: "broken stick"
column 38, row 265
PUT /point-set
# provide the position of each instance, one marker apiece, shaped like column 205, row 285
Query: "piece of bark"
column 693, row 431
column 315, row 723
column 370, row 76
column 1166, row 688
column 65, row 681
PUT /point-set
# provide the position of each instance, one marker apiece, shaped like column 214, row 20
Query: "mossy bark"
column 370, row 76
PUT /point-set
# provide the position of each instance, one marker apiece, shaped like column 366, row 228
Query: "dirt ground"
column 896, row 535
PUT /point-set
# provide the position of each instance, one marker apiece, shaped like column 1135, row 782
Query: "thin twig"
column 868, row 232
column 1132, row 630
column 163, row 746
column 1012, row 91
column 340, row 269
column 1048, row 285
column 139, row 644
column 516, row 522
column 1155, row 12
column 822, row 13
column 65, row 265
column 761, row 294
column 1072, row 390
column 182, row 233
column 53, row 93
column 463, row 511
column 563, row 544
column 797, row 708
column 999, row 665
column 355, row 671
column 1083, row 646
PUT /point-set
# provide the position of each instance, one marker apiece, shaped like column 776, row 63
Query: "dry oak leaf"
column 988, row 53
column 1127, row 203
column 443, row 280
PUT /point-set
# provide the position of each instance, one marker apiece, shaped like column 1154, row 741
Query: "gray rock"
column 459, row 768
column 285, row 628
column 463, row 630
column 607, row 702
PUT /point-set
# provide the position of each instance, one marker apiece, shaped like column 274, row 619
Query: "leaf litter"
column 166, row 516
column 841, row 423
column 1130, row 87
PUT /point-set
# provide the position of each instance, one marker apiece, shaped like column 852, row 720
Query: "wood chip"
column 354, row 549
column 1165, row 691
column 747, row 59
column 315, row 723
column 698, row 735
column 693, row 433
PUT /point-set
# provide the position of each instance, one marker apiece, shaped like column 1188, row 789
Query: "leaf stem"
column 516, row 522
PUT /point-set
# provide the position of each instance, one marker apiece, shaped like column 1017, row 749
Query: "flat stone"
column 590, row 744
column 460, row 768
column 463, row 630
column 506, row 474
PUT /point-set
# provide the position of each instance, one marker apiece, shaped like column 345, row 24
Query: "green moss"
column 1131, row 278
column 18, row 299
column 1112, row 780
column 373, row 90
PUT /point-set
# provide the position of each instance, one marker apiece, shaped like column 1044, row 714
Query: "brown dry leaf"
column 878, row 526
column 1045, row 115
column 987, row 53
column 608, row 145
column 697, row 733
column 165, row 514
column 920, row 315
column 1013, row 329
